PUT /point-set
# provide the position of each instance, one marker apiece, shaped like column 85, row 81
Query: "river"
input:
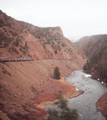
column 85, row 103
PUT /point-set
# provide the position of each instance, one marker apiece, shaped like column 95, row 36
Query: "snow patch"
column 77, row 89
column 102, row 82
column 86, row 75
column 72, row 73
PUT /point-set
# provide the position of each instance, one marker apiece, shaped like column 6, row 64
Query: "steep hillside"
column 92, row 45
column 22, row 83
column 95, row 48
column 20, row 39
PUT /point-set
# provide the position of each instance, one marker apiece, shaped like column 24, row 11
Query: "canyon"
column 27, row 86
column 95, row 48
column 24, row 84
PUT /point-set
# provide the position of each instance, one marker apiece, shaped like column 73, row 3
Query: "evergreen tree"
column 56, row 73
column 55, row 51
column 64, row 113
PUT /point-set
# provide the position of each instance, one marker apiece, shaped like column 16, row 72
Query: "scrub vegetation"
column 63, row 113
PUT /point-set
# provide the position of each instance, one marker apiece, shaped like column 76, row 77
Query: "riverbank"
column 102, row 105
column 96, row 77
column 102, row 101
column 46, row 95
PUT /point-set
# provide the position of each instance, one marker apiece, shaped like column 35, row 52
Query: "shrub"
column 64, row 113
column 63, row 45
column 58, row 47
column 51, row 54
column 16, row 43
column 55, row 51
column 6, row 44
column 56, row 73
column 26, row 46
column 1, row 42
column 44, row 46
column 12, row 48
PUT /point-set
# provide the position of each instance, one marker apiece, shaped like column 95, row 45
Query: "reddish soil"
column 22, row 83
column 47, row 92
column 102, row 105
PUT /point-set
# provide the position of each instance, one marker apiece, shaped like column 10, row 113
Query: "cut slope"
column 21, row 83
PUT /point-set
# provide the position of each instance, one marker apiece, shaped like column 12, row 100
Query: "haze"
column 76, row 18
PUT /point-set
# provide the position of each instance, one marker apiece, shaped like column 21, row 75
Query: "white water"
column 85, row 103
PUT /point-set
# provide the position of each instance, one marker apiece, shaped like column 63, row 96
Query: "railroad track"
column 6, row 59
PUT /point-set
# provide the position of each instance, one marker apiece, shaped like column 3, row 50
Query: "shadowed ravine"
column 85, row 103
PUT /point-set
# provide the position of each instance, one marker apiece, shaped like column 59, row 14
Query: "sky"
column 77, row 18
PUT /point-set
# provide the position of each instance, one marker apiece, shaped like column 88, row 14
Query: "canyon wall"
column 95, row 48
column 21, row 82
